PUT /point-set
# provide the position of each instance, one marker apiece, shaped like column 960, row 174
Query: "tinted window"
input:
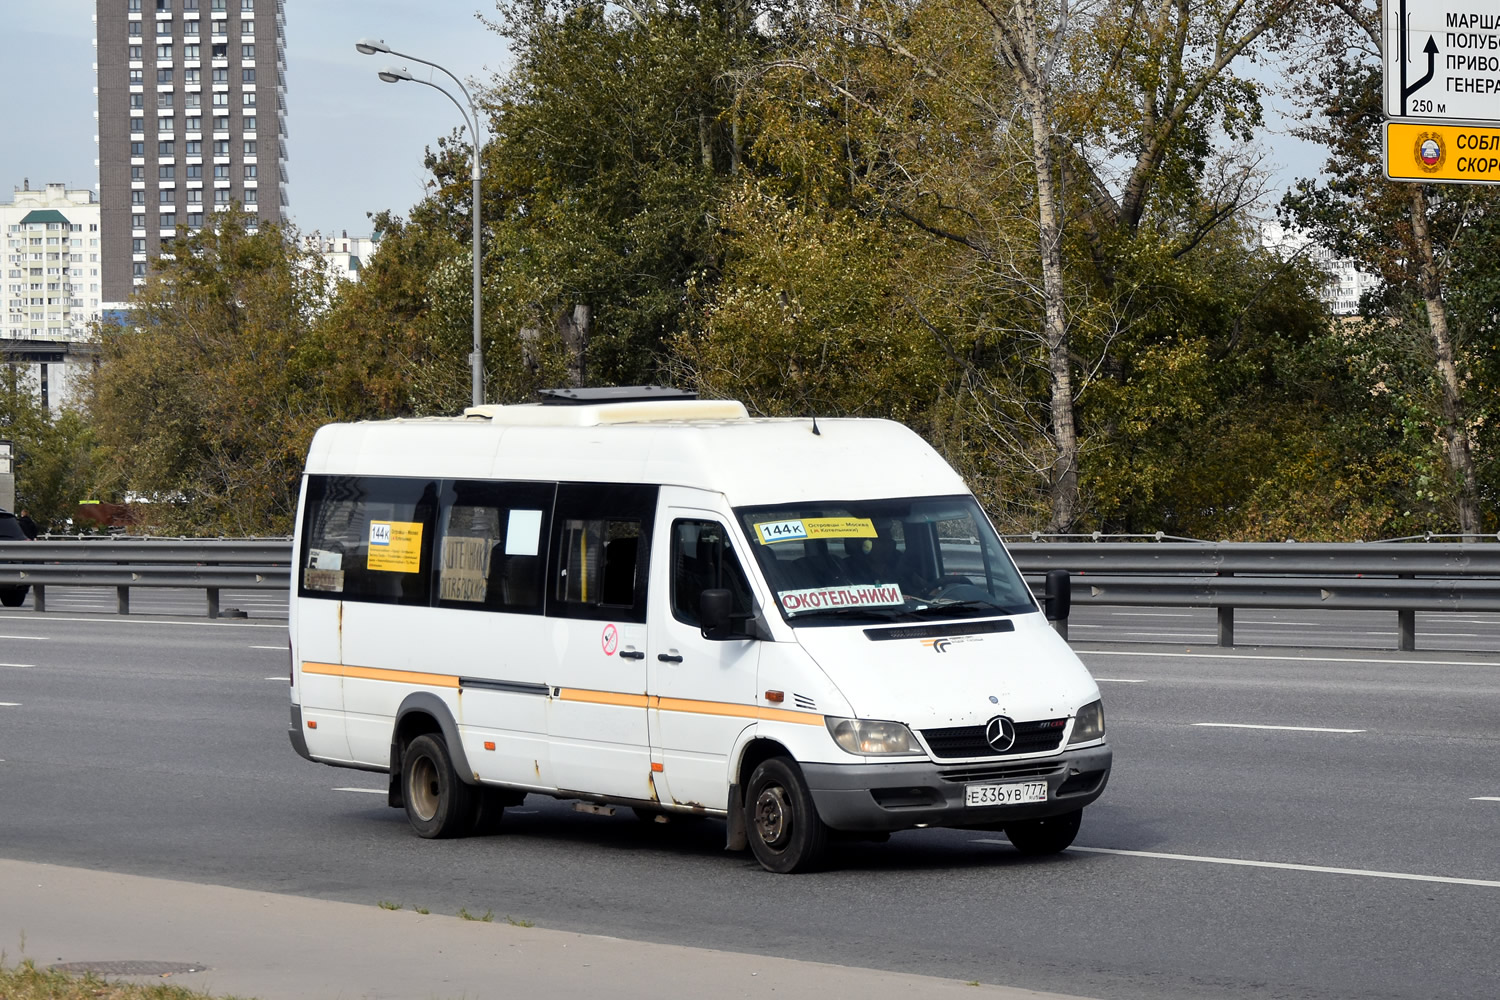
column 491, row 549
column 368, row 539
column 601, row 548
column 701, row 560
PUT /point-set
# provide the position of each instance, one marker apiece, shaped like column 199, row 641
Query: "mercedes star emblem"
column 1000, row 734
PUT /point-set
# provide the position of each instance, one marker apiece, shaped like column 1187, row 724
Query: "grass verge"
column 27, row 982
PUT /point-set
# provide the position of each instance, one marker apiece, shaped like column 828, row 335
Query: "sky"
column 355, row 145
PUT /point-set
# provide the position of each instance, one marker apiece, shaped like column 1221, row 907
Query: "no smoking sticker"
column 609, row 640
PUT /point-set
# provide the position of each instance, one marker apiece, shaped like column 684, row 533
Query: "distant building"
column 347, row 255
column 52, row 282
column 192, row 120
column 1347, row 284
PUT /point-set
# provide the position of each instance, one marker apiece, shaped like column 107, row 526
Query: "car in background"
column 10, row 530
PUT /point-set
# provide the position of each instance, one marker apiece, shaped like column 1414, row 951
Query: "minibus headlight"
column 1089, row 725
column 861, row 736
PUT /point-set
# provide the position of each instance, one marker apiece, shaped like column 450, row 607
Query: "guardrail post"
column 123, row 600
column 213, row 602
column 1226, row 626
column 1406, row 624
column 38, row 598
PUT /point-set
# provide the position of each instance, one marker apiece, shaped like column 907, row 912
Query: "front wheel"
column 1051, row 835
column 14, row 597
column 437, row 803
column 781, row 821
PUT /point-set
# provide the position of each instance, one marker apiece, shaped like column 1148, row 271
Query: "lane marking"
column 1282, row 865
column 275, row 678
column 10, row 704
column 1485, row 798
column 1117, row 680
column 127, row 620
column 1293, row 659
column 19, row 666
column 279, row 649
column 1180, row 635
column 368, row 791
column 1323, row 869
column 1151, row 614
column 38, row 638
column 1295, row 729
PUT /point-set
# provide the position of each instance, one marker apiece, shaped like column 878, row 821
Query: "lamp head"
column 370, row 46
column 393, row 75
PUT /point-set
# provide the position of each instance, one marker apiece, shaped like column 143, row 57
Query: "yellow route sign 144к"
column 1449, row 153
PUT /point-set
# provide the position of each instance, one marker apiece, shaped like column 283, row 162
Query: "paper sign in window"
column 770, row 532
column 465, row 569
column 395, row 546
column 523, row 533
column 880, row 595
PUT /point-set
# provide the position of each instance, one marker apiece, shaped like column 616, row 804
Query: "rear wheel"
column 1045, row 836
column 781, row 821
column 14, row 597
column 437, row 803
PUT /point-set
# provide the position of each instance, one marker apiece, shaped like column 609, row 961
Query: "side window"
column 491, row 548
column 703, row 559
column 368, row 539
column 602, row 546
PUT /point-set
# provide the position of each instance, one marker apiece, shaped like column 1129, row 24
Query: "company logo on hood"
column 940, row 645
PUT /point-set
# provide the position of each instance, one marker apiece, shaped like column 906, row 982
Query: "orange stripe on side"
column 381, row 674
column 603, row 698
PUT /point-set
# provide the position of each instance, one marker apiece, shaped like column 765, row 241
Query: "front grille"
column 969, row 741
column 1000, row 772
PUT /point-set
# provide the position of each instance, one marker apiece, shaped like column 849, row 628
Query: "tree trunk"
column 1024, row 53
column 1458, row 445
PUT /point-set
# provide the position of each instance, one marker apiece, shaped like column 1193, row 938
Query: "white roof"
column 707, row 444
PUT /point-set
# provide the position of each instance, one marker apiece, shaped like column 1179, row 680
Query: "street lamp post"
column 370, row 46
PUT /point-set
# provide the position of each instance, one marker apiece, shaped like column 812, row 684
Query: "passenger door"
column 596, row 603
column 703, row 691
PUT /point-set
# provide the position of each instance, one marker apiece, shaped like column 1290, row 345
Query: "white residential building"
column 347, row 255
column 1347, row 283
column 51, row 289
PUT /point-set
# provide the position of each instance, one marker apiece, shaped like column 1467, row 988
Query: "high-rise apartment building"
column 51, row 290
column 192, row 120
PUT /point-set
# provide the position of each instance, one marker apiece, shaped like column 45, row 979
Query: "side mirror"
column 714, row 606
column 1057, row 600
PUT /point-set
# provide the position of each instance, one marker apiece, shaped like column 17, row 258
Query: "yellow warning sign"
column 395, row 546
column 1462, row 154
column 770, row 532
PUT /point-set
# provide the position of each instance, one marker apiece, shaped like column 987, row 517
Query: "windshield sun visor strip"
column 939, row 631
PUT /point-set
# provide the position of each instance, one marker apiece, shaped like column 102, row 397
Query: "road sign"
column 1460, row 154
column 1442, row 61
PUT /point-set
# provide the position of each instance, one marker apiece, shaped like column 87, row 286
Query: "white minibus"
column 635, row 598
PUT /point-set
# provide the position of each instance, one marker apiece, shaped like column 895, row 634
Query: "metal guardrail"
column 123, row 562
column 1404, row 578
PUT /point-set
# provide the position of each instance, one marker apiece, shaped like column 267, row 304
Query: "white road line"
column 282, row 679
column 1150, row 614
column 19, row 666
column 1282, row 865
column 38, row 638
column 1485, row 798
column 368, row 791
column 10, row 704
column 1179, row 635
column 279, row 649
column 1295, row 729
column 123, row 620
column 1117, row 680
column 1294, row 659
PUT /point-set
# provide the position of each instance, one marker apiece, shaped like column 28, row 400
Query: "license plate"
column 1005, row 795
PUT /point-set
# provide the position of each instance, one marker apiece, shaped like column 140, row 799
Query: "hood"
column 950, row 676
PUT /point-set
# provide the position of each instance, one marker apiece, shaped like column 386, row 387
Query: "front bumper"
column 899, row 796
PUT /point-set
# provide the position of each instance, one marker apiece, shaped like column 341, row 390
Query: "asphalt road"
column 1222, row 861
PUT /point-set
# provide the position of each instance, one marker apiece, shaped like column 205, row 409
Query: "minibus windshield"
column 857, row 561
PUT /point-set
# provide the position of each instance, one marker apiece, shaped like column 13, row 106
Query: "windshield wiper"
column 938, row 610
column 878, row 614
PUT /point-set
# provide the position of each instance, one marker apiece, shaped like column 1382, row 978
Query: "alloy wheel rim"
column 422, row 788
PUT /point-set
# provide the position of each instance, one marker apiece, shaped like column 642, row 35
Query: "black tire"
column 437, row 803
column 14, row 597
column 1051, row 835
column 781, row 821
